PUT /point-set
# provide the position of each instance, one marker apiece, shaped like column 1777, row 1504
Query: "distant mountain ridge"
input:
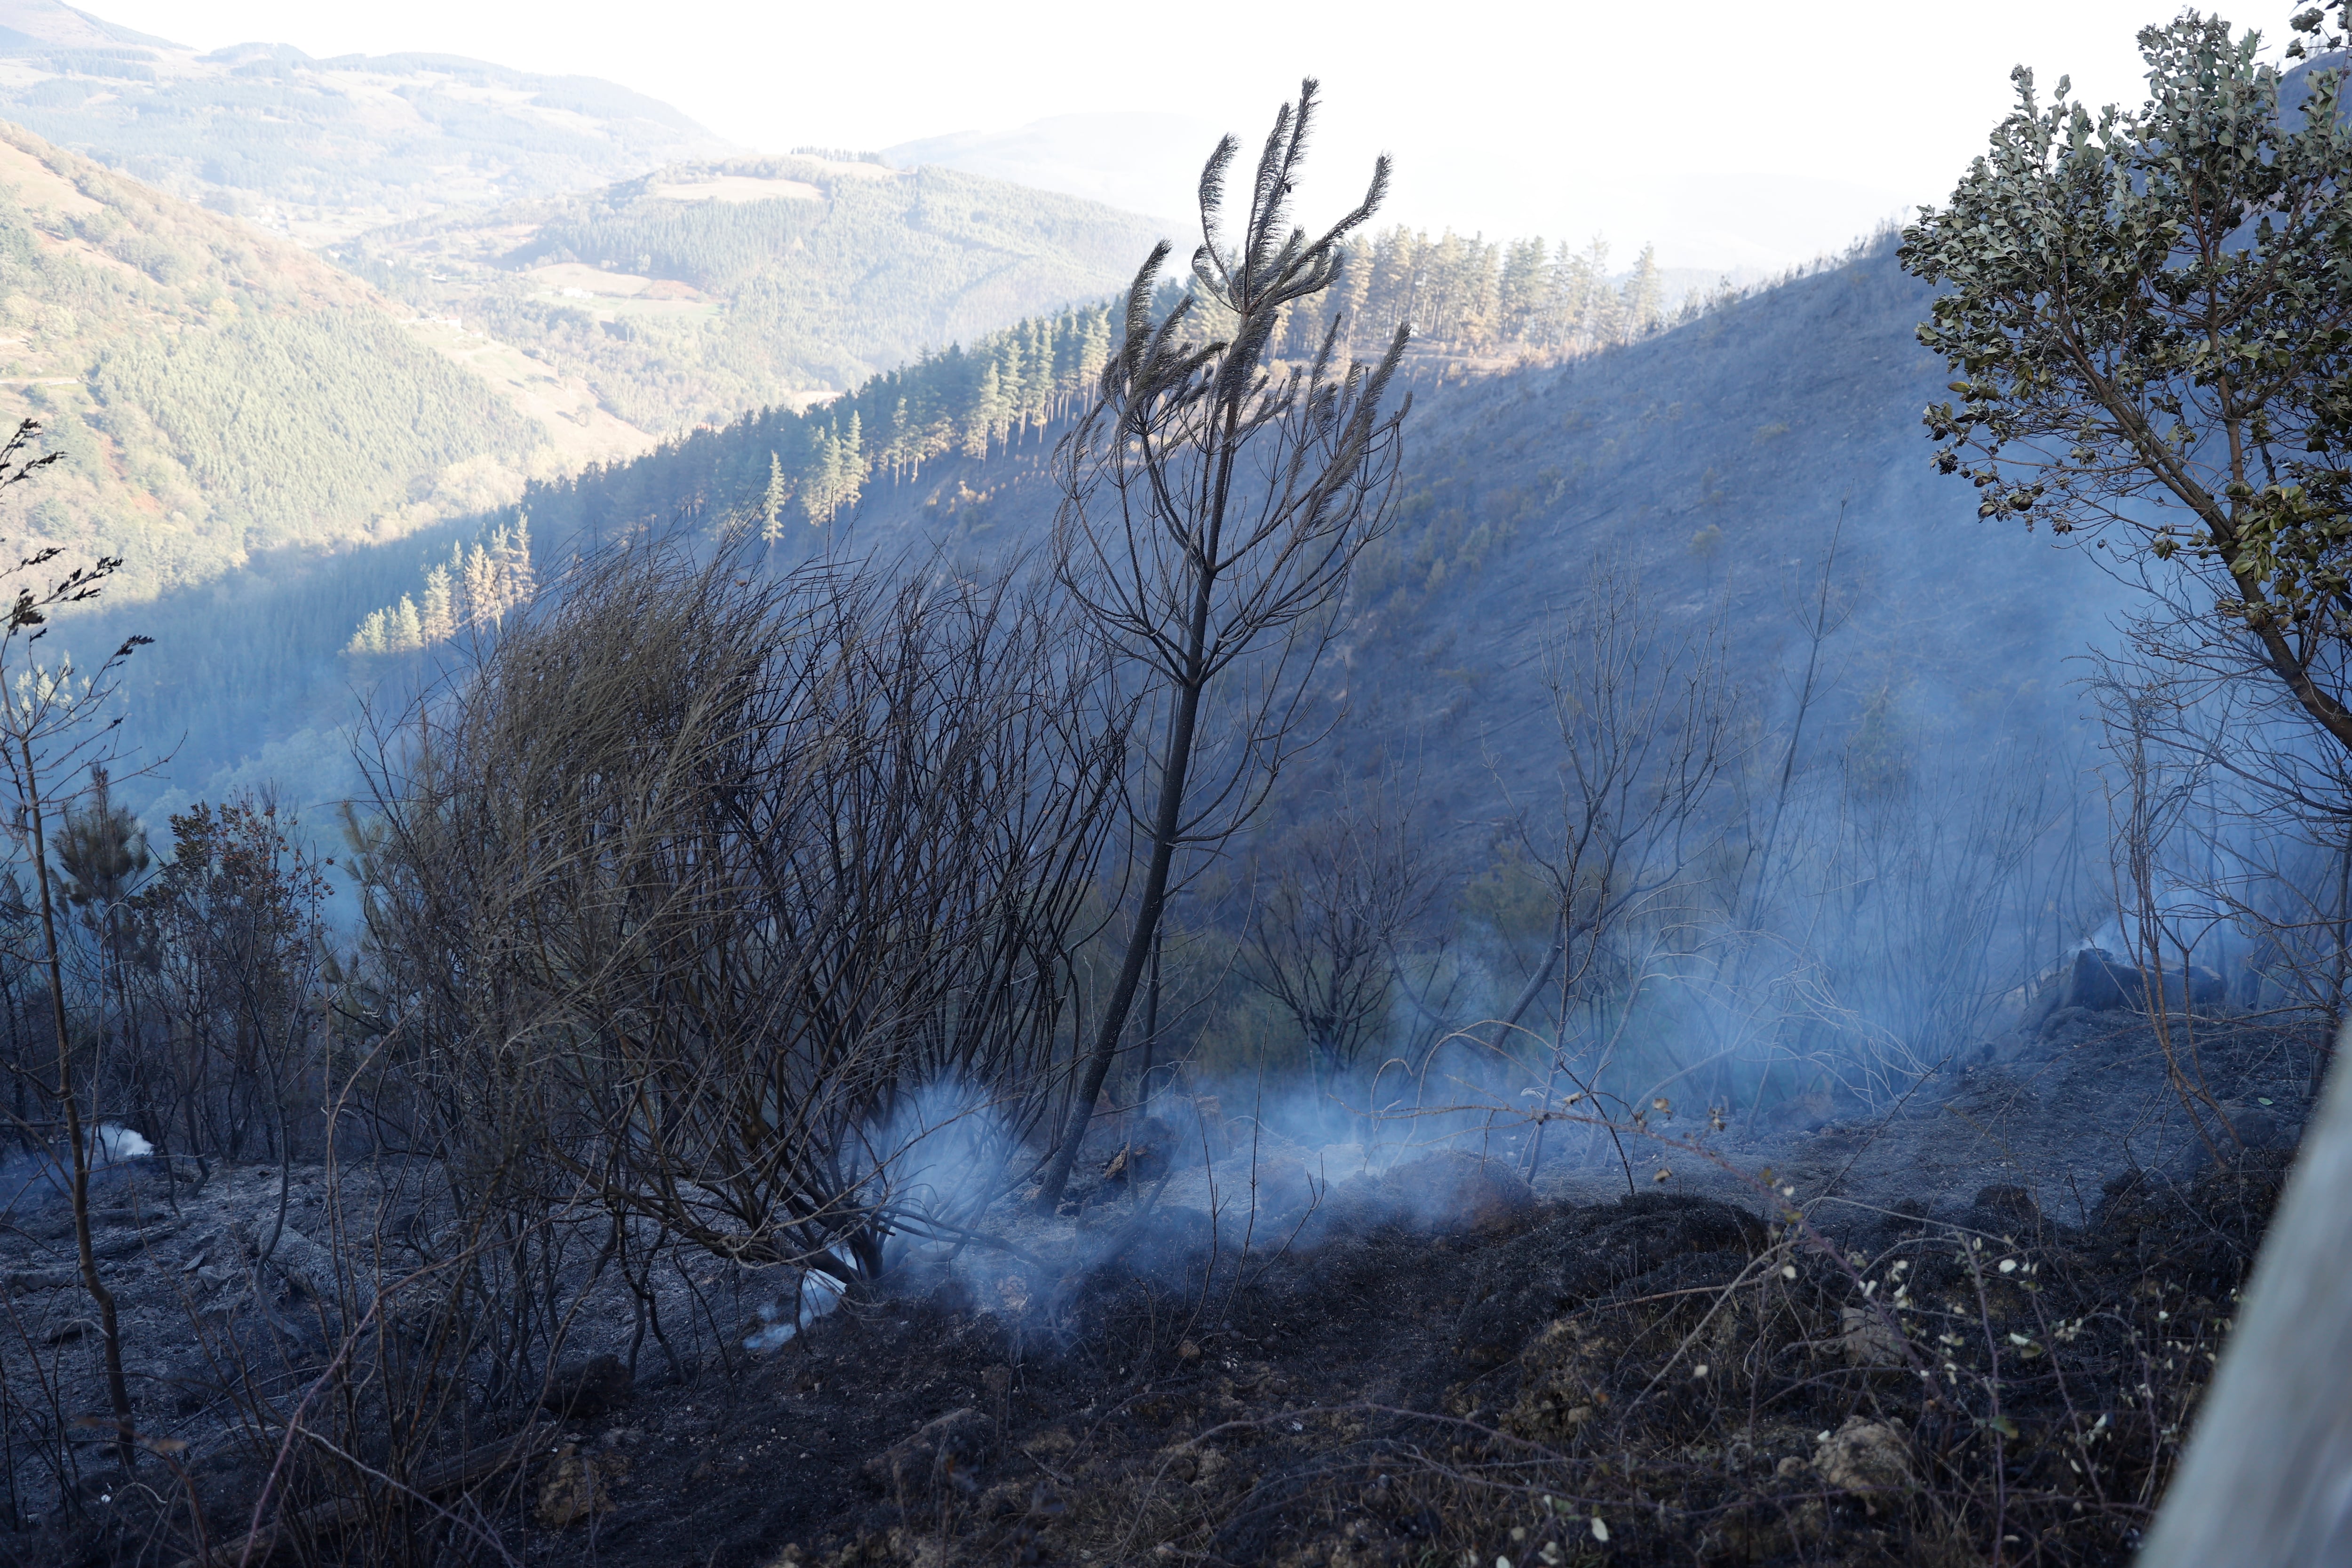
column 220, row 393
column 49, row 22
column 1144, row 163
column 321, row 148
column 700, row 291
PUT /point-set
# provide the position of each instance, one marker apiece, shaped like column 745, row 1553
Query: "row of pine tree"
column 1468, row 295
column 479, row 586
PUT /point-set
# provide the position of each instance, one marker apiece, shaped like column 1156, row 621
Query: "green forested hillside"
column 782, row 467
column 321, row 148
column 345, row 446
column 215, row 391
column 700, row 292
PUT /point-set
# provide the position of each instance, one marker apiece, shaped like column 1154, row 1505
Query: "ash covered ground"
column 1967, row 1328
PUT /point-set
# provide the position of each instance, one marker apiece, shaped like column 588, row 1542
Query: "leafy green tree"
column 2150, row 312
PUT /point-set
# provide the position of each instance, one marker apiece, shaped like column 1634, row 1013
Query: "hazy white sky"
column 1730, row 135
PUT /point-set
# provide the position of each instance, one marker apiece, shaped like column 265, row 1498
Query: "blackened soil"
column 2003, row 1368
column 1099, row 1423
column 1393, row 1397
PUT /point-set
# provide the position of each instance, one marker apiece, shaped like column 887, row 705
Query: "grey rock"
column 2093, row 980
column 2097, row 982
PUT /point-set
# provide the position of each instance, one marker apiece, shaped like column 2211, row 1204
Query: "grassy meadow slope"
column 321, row 148
column 703, row 291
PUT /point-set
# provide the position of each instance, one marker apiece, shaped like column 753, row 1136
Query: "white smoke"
column 933, row 1165
column 110, row 1144
column 819, row 1293
column 31, row 1179
column 938, row 1160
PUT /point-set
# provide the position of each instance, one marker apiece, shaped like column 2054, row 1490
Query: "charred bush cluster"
column 712, row 922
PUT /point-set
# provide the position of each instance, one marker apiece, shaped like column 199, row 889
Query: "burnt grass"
column 1708, row 1381
column 1390, row 1396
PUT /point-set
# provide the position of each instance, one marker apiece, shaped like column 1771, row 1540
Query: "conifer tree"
column 1349, row 294
column 369, row 638
column 1211, row 512
column 1643, row 295
column 1014, row 376
column 481, row 587
column 825, row 475
column 438, row 617
column 520, row 581
column 850, row 459
column 987, row 409
column 1521, row 292
column 101, row 853
column 1597, row 310
column 771, row 505
column 408, row 633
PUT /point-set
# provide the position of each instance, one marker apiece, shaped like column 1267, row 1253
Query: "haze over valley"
column 791, row 793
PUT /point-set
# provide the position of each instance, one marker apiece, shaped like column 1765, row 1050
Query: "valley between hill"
column 701, row 291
